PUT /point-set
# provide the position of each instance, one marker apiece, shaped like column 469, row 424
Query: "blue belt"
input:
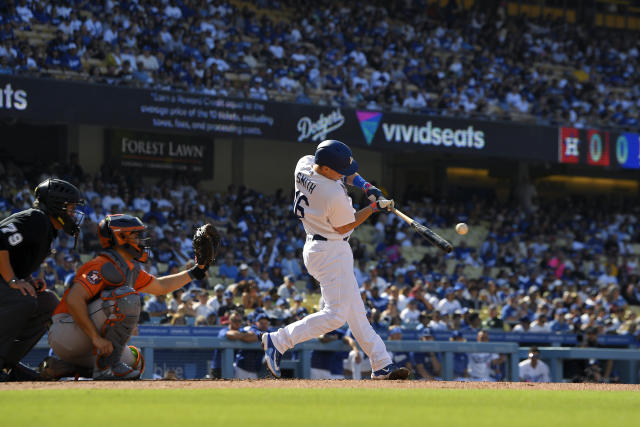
column 324, row 239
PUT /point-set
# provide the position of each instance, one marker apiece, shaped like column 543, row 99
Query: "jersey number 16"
column 298, row 210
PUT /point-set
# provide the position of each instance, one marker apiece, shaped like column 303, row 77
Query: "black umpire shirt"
column 27, row 235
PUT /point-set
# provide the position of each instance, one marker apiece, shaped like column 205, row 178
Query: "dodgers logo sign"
column 319, row 129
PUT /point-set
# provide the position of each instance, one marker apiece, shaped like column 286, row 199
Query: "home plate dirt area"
column 267, row 383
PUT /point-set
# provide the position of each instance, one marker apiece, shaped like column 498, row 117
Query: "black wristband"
column 197, row 273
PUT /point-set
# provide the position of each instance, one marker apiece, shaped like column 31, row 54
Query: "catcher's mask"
column 59, row 199
column 127, row 232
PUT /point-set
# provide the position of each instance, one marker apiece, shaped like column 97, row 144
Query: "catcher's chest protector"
column 117, row 272
column 121, row 304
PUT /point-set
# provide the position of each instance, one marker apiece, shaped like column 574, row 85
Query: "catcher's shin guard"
column 122, row 307
column 133, row 357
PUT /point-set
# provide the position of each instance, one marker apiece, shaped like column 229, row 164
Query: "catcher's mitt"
column 206, row 241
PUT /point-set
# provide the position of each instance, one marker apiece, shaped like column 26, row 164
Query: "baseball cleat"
column 119, row 371
column 390, row 372
column 271, row 355
column 22, row 372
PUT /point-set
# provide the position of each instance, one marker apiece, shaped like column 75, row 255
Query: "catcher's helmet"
column 124, row 231
column 54, row 197
column 337, row 156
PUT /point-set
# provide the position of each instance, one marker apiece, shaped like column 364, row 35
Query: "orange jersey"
column 88, row 275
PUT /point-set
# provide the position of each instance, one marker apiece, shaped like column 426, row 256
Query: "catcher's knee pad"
column 122, row 308
column 133, row 357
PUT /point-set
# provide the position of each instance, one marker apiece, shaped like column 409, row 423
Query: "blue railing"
column 553, row 339
column 179, row 339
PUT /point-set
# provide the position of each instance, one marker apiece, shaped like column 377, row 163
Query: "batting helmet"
column 125, row 231
column 337, row 156
column 54, row 196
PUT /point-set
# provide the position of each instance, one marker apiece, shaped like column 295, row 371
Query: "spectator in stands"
column 113, row 203
column 264, row 282
column 217, row 300
column 228, row 270
column 287, row 289
column 399, row 358
column 156, row 306
column 540, row 324
column 510, row 311
column 49, row 274
column 428, row 364
column 186, row 308
column 291, row 265
column 460, row 360
column 201, row 307
column 533, row 369
column 410, row 314
column 327, row 365
column 65, row 268
column 147, row 61
column 437, row 322
column 493, row 320
column 229, row 305
column 248, row 363
column 376, row 280
column 233, row 328
column 448, row 304
column 524, row 325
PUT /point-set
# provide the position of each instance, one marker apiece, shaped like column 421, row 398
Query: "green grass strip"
column 322, row 407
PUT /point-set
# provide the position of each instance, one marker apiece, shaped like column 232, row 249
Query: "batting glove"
column 382, row 204
column 373, row 193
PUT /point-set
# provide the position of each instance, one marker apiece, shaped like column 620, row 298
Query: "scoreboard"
column 599, row 148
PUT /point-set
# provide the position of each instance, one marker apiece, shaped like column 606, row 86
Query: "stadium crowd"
column 397, row 56
column 559, row 267
column 552, row 267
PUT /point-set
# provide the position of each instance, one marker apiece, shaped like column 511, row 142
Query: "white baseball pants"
column 331, row 263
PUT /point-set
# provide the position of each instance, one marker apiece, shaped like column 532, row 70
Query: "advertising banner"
column 196, row 114
column 159, row 154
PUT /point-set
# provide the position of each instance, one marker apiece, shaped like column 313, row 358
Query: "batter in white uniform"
column 322, row 204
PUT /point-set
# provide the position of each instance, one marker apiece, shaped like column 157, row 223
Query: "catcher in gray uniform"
column 97, row 314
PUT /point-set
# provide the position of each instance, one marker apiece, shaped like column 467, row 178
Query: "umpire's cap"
column 337, row 156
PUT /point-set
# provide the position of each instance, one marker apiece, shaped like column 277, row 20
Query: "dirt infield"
column 222, row 384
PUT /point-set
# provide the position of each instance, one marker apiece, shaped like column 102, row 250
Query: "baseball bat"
column 427, row 233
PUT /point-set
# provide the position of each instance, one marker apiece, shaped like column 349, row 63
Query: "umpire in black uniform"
column 25, row 241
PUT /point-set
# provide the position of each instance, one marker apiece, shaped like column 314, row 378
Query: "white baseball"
column 462, row 228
